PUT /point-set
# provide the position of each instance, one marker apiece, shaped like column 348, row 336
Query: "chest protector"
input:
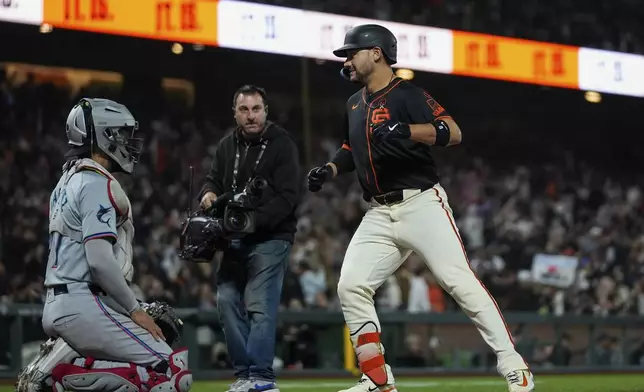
column 121, row 203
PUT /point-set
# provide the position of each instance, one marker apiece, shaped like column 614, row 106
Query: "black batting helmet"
column 369, row 36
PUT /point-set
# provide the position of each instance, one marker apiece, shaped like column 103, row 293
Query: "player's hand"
column 391, row 130
column 318, row 176
column 145, row 321
column 207, row 200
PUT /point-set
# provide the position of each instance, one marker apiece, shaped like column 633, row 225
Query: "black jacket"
column 279, row 165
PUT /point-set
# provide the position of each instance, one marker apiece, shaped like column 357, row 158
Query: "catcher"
column 103, row 339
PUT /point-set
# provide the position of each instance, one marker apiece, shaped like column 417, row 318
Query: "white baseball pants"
column 422, row 223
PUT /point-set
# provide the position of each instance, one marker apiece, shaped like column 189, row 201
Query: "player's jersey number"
column 58, row 203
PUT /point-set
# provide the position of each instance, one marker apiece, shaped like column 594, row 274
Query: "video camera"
column 238, row 210
column 231, row 216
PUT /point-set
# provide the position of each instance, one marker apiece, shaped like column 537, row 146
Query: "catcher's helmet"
column 369, row 36
column 107, row 125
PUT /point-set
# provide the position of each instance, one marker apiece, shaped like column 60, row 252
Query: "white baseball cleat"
column 520, row 381
column 240, row 385
column 366, row 385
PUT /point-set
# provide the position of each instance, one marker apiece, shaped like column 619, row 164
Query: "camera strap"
column 264, row 143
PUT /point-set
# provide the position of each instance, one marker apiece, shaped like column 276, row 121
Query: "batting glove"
column 391, row 130
column 318, row 176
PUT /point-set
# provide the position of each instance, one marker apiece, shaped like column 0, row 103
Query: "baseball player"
column 390, row 127
column 89, row 303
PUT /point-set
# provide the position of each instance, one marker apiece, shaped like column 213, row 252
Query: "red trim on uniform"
column 369, row 337
column 368, row 128
column 364, row 93
column 100, row 235
column 346, row 147
column 451, row 222
column 368, row 134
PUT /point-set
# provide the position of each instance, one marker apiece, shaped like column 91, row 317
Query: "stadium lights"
column 593, row 97
column 177, row 48
column 405, row 73
column 45, row 28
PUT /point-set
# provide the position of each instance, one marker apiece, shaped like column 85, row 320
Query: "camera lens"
column 237, row 220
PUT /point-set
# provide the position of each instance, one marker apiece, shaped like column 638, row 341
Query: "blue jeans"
column 249, row 287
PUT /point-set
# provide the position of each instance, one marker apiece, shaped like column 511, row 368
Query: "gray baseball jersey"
column 85, row 206
column 81, row 209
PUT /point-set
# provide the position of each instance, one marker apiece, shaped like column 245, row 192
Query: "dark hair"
column 250, row 89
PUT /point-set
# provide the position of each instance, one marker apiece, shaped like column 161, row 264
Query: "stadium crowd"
column 609, row 25
column 506, row 213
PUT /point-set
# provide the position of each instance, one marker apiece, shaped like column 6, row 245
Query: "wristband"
column 442, row 133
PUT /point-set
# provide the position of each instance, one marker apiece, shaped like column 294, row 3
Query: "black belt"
column 391, row 197
column 62, row 289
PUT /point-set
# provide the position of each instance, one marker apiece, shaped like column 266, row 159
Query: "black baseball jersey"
column 398, row 163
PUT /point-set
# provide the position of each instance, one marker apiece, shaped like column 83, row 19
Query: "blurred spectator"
column 561, row 354
column 418, row 292
column 606, row 351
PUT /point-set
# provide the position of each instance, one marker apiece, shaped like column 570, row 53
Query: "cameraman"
column 249, row 282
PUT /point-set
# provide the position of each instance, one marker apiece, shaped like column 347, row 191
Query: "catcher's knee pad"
column 68, row 377
column 180, row 379
column 370, row 353
column 170, row 376
column 36, row 375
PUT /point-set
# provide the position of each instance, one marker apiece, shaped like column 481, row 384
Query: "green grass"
column 582, row 383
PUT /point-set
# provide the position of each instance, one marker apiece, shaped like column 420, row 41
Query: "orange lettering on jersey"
column 437, row 109
column 379, row 115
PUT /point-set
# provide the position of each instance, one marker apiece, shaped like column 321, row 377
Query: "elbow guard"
column 442, row 133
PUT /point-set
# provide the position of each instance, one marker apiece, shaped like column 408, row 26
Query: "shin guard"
column 371, row 357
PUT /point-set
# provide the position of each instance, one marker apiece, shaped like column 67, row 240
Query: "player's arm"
column 98, row 221
column 108, row 275
column 430, row 122
column 427, row 122
column 343, row 162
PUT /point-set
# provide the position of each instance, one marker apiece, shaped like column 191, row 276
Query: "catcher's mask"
column 198, row 238
column 96, row 123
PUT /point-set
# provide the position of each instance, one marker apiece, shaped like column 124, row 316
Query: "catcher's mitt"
column 166, row 319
